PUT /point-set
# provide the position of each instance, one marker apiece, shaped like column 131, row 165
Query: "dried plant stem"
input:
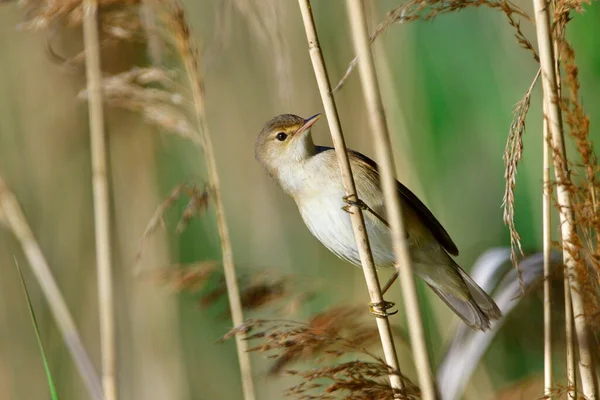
column 148, row 21
column 570, row 344
column 190, row 56
column 358, row 223
column 568, row 232
column 383, row 149
column 12, row 215
column 101, row 199
column 547, row 245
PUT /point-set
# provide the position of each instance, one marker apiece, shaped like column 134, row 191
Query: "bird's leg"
column 362, row 205
column 380, row 310
column 388, row 284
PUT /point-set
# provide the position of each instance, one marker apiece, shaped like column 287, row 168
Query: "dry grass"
column 327, row 339
column 583, row 184
column 173, row 99
column 154, row 93
column 551, row 41
column 512, row 156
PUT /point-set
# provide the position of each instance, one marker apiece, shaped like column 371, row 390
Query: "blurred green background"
column 449, row 86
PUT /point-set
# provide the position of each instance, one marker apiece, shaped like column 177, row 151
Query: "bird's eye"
column 281, row 136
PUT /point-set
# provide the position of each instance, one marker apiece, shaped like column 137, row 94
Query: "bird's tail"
column 476, row 308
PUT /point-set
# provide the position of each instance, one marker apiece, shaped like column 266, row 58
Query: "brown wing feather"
column 426, row 216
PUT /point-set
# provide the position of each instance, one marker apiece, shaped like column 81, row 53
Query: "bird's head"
column 284, row 142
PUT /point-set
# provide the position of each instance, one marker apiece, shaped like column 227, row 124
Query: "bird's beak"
column 308, row 123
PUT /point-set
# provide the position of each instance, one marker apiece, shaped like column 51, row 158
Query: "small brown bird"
column 311, row 176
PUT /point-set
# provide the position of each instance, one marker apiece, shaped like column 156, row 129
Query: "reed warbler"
column 311, row 176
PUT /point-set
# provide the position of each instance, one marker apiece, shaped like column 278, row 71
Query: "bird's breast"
column 323, row 214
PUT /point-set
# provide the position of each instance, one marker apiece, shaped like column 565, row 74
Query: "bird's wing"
column 413, row 201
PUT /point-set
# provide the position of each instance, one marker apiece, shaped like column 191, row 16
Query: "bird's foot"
column 353, row 201
column 380, row 310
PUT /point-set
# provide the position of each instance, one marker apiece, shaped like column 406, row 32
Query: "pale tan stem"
column 13, row 216
column 547, row 245
column 383, row 148
column 358, row 223
column 568, row 232
column 101, row 199
column 233, row 291
column 148, row 22
column 570, row 343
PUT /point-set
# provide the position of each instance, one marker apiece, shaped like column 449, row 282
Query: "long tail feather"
column 466, row 308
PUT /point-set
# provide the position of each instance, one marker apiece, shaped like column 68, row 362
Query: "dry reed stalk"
column 571, row 387
column 547, row 248
column 571, row 254
column 101, row 199
column 148, row 23
column 383, row 149
column 12, row 215
column 190, row 57
column 570, row 344
column 356, row 216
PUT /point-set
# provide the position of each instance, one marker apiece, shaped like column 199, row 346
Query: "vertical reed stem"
column 358, row 223
column 101, row 199
column 570, row 343
column 547, row 244
column 189, row 54
column 568, row 232
column 383, row 149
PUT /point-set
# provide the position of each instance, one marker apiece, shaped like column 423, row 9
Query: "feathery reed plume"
column 154, row 93
column 360, row 34
column 280, row 294
column 12, row 216
column 157, row 219
column 356, row 216
column 117, row 21
column 570, row 242
column 41, row 14
column 101, row 200
column 191, row 277
column 268, row 288
column 326, row 338
column 427, row 10
column 512, row 155
column 174, row 19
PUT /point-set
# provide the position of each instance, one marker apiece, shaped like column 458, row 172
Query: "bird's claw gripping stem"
column 353, row 200
column 380, row 310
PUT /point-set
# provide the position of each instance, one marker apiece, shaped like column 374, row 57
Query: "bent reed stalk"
column 356, row 215
column 12, row 215
column 383, row 149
